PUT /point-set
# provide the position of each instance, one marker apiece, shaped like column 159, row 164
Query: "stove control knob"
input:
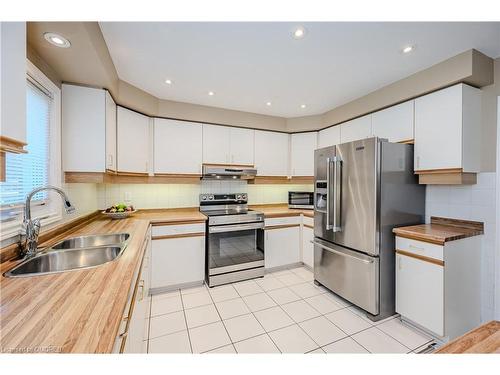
column 238, row 197
column 211, row 197
column 244, row 197
column 203, row 197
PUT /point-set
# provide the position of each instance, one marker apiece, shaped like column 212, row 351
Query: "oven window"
column 233, row 248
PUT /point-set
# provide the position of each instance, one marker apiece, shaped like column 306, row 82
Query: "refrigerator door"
column 357, row 180
column 351, row 275
column 323, row 184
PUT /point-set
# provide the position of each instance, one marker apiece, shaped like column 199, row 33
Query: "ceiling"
column 248, row 64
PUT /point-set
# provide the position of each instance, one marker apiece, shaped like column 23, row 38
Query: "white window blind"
column 24, row 172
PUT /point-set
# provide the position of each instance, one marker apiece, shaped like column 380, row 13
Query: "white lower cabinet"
column 438, row 286
column 282, row 245
column 307, row 246
column 178, row 258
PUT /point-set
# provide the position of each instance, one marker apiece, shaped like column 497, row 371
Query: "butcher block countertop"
column 281, row 210
column 77, row 311
column 484, row 339
column 441, row 230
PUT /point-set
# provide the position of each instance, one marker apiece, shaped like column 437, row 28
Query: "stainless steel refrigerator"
column 363, row 189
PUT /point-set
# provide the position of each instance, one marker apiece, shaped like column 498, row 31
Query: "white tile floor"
column 284, row 312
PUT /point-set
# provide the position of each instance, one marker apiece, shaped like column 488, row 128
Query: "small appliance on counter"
column 234, row 239
column 301, row 199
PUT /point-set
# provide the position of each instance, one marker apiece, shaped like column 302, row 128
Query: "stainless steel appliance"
column 363, row 189
column 232, row 172
column 235, row 239
column 301, row 199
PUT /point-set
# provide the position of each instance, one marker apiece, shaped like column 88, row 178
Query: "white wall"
column 497, row 242
column 180, row 195
column 474, row 202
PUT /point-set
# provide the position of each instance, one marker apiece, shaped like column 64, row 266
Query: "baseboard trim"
column 171, row 288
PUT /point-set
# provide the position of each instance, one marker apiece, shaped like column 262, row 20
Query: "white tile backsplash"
column 472, row 202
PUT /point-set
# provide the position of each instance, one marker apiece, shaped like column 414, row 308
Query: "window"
column 41, row 165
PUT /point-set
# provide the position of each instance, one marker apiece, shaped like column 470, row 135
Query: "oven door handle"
column 235, row 227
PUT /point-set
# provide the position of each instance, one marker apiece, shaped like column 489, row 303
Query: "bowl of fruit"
column 119, row 211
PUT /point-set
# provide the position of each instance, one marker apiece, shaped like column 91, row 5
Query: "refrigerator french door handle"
column 329, row 162
column 337, row 195
column 340, row 253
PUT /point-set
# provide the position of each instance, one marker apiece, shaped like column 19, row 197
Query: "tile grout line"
column 222, row 321
column 185, row 320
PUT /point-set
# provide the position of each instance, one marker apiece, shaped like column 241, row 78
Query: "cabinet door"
column 282, row 246
column 329, row 137
column 438, row 130
column 132, row 141
column 178, row 261
column 420, row 292
column 83, row 129
column 13, row 80
column 242, row 146
column 271, row 153
column 394, row 123
column 216, row 144
column 356, row 129
column 307, row 246
column 177, row 147
column 110, row 133
column 302, row 153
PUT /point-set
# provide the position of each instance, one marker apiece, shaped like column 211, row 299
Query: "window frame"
column 50, row 210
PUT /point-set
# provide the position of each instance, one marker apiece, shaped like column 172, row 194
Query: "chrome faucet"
column 31, row 227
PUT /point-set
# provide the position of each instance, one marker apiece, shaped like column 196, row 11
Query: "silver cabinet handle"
column 341, row 253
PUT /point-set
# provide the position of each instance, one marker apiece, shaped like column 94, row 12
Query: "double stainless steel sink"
column 73, row 254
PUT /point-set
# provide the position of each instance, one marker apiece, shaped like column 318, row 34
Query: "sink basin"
column 65, row 260
column 92, row 241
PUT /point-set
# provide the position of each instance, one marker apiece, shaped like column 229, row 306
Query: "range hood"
column 228, row 172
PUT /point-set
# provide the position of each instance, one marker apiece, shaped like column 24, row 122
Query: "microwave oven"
column 301, row 199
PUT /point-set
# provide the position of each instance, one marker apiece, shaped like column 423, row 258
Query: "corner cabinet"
column 133, row 142
column 88, row 129
column 302, row 146
column 271, row 153
column 396, row 123
column 329, row 136
column 177, row 147
column 228, row 145
column 448, row 136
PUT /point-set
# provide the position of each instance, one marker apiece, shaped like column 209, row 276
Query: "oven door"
column 235, row 247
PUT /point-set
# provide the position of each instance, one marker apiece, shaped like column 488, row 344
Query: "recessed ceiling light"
column 302, row 106
column 299, row 32
column 268, row 104
column 408, row 49
column 168, row 81
column 57, row 40
column 211, row 93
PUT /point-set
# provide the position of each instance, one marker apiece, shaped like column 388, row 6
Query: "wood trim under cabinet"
column 110, row 178
column 281, row 180
column 439, row 171
column 3, row 173
column 421, row 257
column 180, row 235
column 309, row 226
column 282, row 226
column 12, row 145
column 408, row 142
column 452, row 178
column 227, row 165
column 161, row 224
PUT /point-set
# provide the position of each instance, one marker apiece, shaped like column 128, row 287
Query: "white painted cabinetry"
column 329, row 136
column 228, row 145
column 302, row 148
column 13, row 81
column 438, row 286
column 282, row 242
column 447, row 129
column 356, row 129
column 307, row 246
column 177, row 147
column 88, row 129
column 178, row 255
column 133, row 141
column 395, row 123
column 271, row 153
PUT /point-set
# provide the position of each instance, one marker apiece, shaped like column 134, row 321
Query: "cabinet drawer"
column 424, row 249
column 289, row 220
column 168, row 230
column 309, row 221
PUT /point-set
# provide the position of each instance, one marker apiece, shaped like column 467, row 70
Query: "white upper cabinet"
column 227, row 145
column 133, row 141
column 394, row 123
column 110, row 133
column 13, row 82
column 356, row 129
column 271, row 153
column 302, row 148
column 177, row 147
column 84, row 128
column 329, row 136
column 447, row 130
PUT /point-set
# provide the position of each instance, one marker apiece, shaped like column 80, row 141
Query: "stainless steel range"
column 235, row 239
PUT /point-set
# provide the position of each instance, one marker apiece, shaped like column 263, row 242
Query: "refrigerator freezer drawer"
column 349, row 274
